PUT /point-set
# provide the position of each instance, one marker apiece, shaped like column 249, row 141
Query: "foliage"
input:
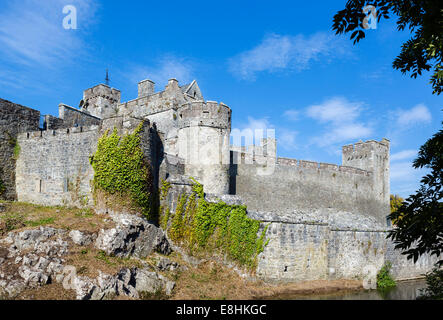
column 420, row 229
column 434, row 289
column 40, row 222
column 2, row 187
column 11, row 221
column 396, row 202
column 120, row 168
column 422, row 17
column 204, row 226
column 384, row 278
column 17, row 150
column 164, row 189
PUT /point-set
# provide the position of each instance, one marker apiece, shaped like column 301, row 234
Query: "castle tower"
column 372, row 156
column 146, row 88
column 203, row 141
column 101, row 101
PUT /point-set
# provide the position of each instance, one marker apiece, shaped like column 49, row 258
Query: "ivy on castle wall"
column 120, row 169
column 202, row 226
column 2, row 187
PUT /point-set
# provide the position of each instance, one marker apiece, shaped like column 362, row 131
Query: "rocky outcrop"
column 127, row 282
column 132, row 236
column 33, row 258
column 81, row 238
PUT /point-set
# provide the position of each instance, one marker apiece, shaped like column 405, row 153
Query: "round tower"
column 203, row 142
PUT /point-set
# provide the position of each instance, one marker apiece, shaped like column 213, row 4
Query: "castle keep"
column 326, row 221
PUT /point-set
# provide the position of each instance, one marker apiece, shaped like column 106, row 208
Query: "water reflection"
column 405, row 290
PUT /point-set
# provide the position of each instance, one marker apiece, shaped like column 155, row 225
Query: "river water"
column 405, row 290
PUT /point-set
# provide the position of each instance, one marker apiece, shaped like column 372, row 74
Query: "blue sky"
column 276, row 64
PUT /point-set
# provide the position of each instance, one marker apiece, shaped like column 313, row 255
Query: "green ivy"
column 17, row 150
column 2, row 187
column 120, row 169
column 384, row 278
column 164, row 189
column 204, row 226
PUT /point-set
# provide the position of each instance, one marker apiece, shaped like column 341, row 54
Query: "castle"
column 326, row 221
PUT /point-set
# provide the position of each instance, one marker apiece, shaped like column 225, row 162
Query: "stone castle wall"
column 53, row 166
column 291, row 185
column 14, row 118
column 304, row 251
column 72, row 117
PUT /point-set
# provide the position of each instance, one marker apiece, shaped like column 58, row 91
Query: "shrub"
column 384, row 278
column 434, row 286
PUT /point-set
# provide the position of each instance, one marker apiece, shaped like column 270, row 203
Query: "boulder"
column 127, row 282
column 81, row 238
column 132, row 235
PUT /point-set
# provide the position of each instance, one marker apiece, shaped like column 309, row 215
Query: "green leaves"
column 120, row 168
column 384, row 278
column 419, row 221
column 423, row 18
column 206, row 226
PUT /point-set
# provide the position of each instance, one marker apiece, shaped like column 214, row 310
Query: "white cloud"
column 337, row 110
column 349, row 132
column 168, row 67
column 292, row 114
column 419, row 113
column 281, row 52
column 341, row 118
column 403, row 155
column 31, row 31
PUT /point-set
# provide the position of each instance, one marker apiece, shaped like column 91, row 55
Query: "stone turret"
column 101, row 101
column 372, row 156
column 203, row 141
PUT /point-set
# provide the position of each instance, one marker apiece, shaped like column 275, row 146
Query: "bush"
column 384, row 278
column 434, row 289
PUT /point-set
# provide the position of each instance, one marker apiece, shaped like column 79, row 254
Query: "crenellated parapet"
column 209, row 114
column 321, row 167
column 101, row 101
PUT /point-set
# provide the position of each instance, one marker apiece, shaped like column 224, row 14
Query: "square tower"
column 372, row 156
column 101, row 101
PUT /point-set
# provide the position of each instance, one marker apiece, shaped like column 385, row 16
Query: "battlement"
column 265, row 152
column 305, row 164
column 101, row 101
column 200, row 113
column 363, row 149
column 57, row 132
column 104, row 91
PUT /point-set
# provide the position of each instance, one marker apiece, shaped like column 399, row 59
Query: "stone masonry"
column 326, row 221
